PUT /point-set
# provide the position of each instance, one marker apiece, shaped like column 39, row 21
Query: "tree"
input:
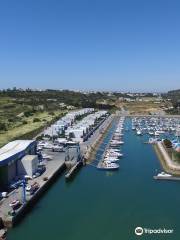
column 167, row 143
column 3, row 126
column 36, row 120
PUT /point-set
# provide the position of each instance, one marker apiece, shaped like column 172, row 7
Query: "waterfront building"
column 10, row 155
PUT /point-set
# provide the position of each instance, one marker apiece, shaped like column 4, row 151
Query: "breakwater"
column 166, row 161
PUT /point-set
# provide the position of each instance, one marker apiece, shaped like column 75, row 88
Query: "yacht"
column 113, row 154
column 112, row 159
column 108, row 166
column 156, row 133
column 139, row 132
column 164, row 175
column 116, row 142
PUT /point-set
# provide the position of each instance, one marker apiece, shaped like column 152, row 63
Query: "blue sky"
column 128, row 45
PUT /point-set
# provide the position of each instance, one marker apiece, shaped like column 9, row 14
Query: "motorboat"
column 108, row 166
column 139, row 132
column 164, row 175
column 111, row 159
column 156, row 133
column 113, row 154
column 116, row 142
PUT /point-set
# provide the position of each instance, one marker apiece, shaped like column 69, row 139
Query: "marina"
column 138, row 167
column 53, row 159
column 112, row 152
column 101, row 144
column 90, row 120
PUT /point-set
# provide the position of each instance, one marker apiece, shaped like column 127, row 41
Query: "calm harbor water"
column 107, row 206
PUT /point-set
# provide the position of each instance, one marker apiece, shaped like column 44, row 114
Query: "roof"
column 29, row 157
column 13, row 148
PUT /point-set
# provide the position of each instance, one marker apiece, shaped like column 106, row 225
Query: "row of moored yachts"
column 113, row 153
column 155, row 126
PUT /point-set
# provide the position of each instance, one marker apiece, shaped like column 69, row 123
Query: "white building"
column 28, row 165
column 78, row 131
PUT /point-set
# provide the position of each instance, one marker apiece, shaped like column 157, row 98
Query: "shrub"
column 28, row 114
column 39, row 138
column 167, row 143
column 51, row 113
column 176, row 155
column 10, row 120
column 24, row 122
column 3, row 126
column 36, row 120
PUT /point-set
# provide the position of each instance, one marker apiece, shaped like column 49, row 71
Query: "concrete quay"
column 88, row 147
column 53, row 168
column 91, row 146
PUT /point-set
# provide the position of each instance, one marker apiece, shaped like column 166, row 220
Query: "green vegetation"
column 36, row 120
column 176, row 156
column 3, row 126
column 167, row 143
column 174, row 97
column 23, row 120
column 25, row 113
column 51, row 99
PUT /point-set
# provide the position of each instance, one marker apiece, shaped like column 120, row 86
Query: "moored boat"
column 108, row 166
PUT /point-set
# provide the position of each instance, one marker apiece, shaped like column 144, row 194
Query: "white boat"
column 163, row 174
column 111, row 159
column 114, row 150
column 151, row 133
column 113, row 154
column 108, row 166
column 156, row 133
column 116, row 142
column 139, row 132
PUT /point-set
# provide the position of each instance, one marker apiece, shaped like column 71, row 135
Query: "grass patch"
column 30, row 126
